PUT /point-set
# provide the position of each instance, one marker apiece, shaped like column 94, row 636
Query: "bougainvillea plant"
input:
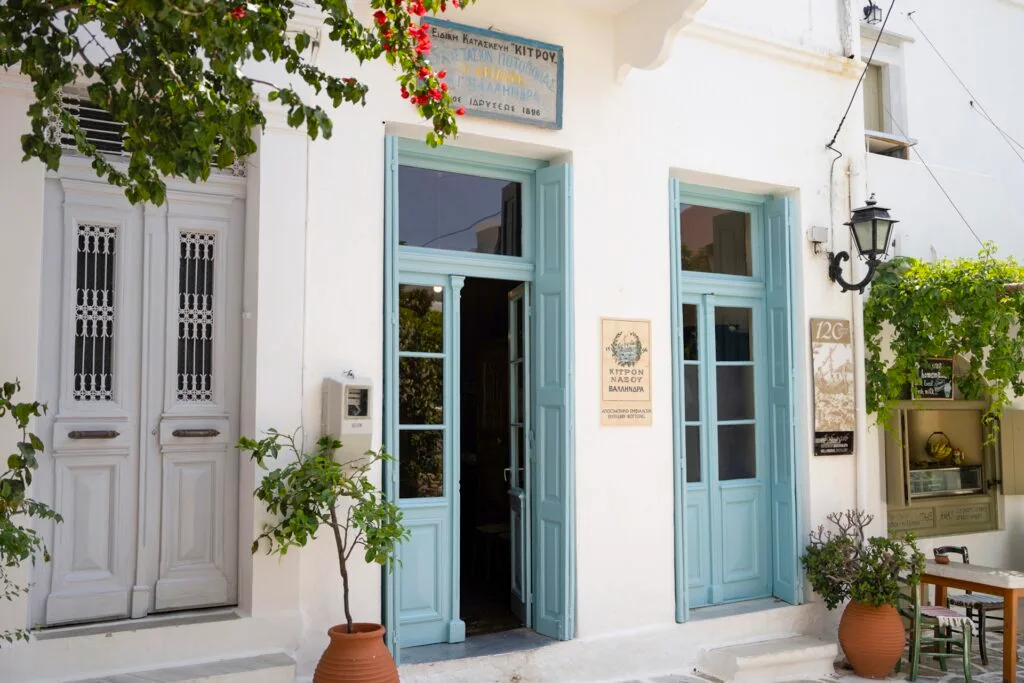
column 969, row 309
column 178, row 74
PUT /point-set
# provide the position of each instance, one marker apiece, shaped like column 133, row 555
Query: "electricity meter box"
column 346, row 415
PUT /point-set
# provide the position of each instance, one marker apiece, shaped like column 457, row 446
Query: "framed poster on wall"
column 835, row 406
column 625, row 373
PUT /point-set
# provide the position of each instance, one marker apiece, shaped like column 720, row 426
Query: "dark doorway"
column 486, row 576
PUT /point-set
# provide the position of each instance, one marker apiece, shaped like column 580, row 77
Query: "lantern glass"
column 872, row 236
column 863, row 236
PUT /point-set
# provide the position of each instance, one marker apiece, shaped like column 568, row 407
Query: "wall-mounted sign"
column 835, row 406
column 625, row 373
column 936, row 379
column 499, row 76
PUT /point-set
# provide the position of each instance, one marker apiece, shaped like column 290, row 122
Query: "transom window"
column 459, row 212
column 714, row 240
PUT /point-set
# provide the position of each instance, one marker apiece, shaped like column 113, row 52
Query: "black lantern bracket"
column 835, row 272
column 871, row 230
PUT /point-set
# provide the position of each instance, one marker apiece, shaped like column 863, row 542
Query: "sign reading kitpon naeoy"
column 499, row 76
column 625, row 373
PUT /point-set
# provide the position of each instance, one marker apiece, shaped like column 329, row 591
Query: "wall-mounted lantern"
column 872, row 13
column 871, row 226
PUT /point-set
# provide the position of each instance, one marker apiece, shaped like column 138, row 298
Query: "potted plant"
column 869, row 572
column 305, row 495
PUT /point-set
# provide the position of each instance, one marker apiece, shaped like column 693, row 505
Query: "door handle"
column 506, row 474
column 93, row 434
column 195, row 433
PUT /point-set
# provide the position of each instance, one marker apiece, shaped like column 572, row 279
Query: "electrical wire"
column 988, row 118
column 934, row 177
column 975, row 102
column 830, row 146
column 863, row 73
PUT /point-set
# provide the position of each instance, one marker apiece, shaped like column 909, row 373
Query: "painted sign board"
column 625, row 373
column 835, row 406
column 936, row 379
column 499, row 76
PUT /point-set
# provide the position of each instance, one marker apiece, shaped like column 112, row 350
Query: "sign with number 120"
column 835, row 406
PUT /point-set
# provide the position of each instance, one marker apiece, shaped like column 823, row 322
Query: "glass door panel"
column 735, row 392
column 421, row 385
column 518, row 472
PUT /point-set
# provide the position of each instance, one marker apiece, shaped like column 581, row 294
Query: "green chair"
column 941, row 621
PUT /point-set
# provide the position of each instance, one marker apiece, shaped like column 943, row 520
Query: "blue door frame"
column 546, row 264
column 770, row 290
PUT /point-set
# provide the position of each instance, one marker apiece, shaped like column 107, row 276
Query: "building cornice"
column 771, row 48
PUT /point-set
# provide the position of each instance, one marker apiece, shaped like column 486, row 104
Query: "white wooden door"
column 144, row 310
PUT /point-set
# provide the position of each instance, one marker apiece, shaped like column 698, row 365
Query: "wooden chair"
column 948, row 644
column 977, row 605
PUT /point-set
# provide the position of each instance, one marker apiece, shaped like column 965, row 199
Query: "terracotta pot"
column 358, row 657
column 872, row 638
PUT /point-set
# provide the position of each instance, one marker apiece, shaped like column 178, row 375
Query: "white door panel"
column 145, row 382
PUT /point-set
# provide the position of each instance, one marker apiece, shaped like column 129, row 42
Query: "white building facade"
column 689, row 163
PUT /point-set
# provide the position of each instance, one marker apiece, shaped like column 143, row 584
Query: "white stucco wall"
column 21, row 195
column 981, row 172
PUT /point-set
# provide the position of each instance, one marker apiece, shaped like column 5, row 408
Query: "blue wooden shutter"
column 552, row 535
column 787, row 577
column 390, row 575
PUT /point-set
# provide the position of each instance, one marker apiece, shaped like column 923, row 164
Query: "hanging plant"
column 969, row 309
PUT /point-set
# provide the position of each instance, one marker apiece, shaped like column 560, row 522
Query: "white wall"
column 973, row 163
column 21, row 237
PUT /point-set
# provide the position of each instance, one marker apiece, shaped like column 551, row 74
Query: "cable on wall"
column 934, row 177
column 975, row 102
column 853, row 97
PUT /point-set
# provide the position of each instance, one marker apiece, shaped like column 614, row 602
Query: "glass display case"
column 940, row 465
column 946, row 481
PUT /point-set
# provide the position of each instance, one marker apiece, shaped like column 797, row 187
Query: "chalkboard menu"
column 936, row 379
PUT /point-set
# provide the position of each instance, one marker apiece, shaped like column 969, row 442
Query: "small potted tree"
column 869, row 572
column 305, row 495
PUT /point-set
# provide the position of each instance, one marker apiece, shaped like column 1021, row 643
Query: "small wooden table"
column 1007, row 583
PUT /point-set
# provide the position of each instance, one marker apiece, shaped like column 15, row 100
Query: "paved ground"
column 929, row 672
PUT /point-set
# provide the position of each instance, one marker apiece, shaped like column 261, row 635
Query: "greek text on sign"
column 499, row 76
column 625, row 373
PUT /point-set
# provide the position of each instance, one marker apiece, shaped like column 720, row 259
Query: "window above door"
column 459, row 212
column 719, row 236
column 464, row 209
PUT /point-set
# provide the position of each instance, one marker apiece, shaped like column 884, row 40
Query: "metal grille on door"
column 196, row 317
column 94, row 313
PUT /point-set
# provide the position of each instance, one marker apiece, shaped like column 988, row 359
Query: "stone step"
column 269, row 668
column 771, row 661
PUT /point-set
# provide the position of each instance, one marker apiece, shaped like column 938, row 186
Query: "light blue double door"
column 728, row 512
